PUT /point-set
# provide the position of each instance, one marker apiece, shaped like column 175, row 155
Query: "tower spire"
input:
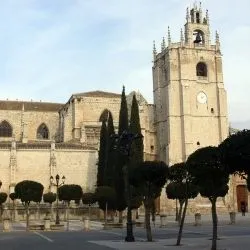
column 169, row 36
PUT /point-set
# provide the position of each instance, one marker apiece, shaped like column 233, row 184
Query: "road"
column 97, row 238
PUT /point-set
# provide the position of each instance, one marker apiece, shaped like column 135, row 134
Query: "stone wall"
column 38, row 162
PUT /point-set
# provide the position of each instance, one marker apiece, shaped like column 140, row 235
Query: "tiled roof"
column 98, row 93
column 30, row 106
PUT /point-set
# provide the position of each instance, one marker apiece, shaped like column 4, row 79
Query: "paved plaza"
column 234, row 237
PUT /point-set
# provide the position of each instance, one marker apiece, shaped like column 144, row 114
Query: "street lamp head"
column 63, row 179
column 57, row 179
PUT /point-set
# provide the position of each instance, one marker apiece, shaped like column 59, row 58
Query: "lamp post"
column 57, row 184
column 123, row 144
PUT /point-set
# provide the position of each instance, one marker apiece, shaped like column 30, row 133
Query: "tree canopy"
column 49, row 197
column 208, row 172
column 3, row 197
column 106, row 195
column 28, row 191
column 70, row 192
column 235, row 152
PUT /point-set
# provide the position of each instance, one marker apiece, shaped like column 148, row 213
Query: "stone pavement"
column 225, row 243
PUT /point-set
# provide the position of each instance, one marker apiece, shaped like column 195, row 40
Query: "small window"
column 198, row 143
column 42, row 132
column 201, row 69
column 5, row 129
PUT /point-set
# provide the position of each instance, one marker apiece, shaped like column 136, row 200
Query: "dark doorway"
column 242, row 196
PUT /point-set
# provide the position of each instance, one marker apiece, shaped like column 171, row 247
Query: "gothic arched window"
column 42, row 132
column 5, row 129
column 201, row 69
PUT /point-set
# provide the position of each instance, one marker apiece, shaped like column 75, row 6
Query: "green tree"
column 181, row 188
column 89, row 199
column 110, row 157
column 50, row 198
column 102, row 155
column 68, row 193
column 3, row 198
column 106, row 197
column 136, row 155
column 13, row 198
column 28, row 191
column 119, row 185
column 149, row 178
column 235, row 153
column 211, row 177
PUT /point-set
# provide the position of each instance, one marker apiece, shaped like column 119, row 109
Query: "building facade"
column 39, row 140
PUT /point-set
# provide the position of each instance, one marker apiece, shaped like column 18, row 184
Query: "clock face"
column 202, row 98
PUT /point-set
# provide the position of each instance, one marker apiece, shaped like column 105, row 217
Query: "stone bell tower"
column 189, row 94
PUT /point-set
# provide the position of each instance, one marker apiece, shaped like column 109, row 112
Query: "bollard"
column 86, row 224
column 197, row 217
column 47, row 223
column 232, row 217
column 163, row 220
column 6, row 225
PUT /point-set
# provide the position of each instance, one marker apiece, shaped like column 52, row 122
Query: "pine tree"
column 136, row 154
column 102, row 155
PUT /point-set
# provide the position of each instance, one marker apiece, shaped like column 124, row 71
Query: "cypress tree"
column 136, row 155
column 102, row 155
column 121, row 203
column 110, row 153
column 123, row 115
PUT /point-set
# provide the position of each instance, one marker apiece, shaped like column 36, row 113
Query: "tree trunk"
column 147, row 220
column 27, row 217
column 1, row 212
column 106, row 213
column 67, row 216
column 51, row 211
column 38, row 211
column 214, row 217
column 89, row 211
column 180, row 211
column 182, row 223
column 120, row 217
column 176, row 210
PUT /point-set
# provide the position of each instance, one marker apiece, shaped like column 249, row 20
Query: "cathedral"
column 42, row 139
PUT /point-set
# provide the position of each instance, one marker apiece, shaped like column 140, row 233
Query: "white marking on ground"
column 43, row 236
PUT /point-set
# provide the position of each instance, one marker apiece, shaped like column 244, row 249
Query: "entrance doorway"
column 242, row 196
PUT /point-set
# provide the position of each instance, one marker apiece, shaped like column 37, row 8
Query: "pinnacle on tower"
column 169, row 36
column 182, row 38
column 187, row 15
column 154, row 50
column 217, row 40
column 163, row 44
column 207, row 17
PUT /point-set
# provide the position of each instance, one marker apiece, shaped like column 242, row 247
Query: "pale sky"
column 53, row 48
